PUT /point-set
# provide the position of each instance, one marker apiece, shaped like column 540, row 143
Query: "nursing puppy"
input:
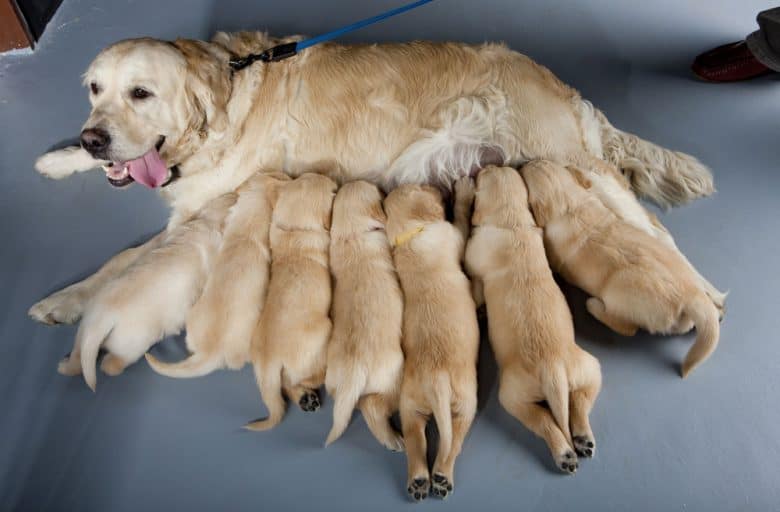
column 530, row 326
column 634, row 279
column 221, row 323
column 289, row 347
column 365, row 360
column 440, row 335
column 150, row 300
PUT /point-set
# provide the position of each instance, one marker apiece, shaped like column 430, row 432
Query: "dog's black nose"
column 95, row 140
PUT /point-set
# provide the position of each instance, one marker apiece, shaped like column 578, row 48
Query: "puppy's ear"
column 208, row 81
column 377, row 213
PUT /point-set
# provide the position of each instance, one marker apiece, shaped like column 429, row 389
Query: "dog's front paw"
column 309, row 401
column 62, row 307
column 567, row 462
column 441, row 486
column 584, row 445
column 69, row 366
column 57, row 164
column 418, row 488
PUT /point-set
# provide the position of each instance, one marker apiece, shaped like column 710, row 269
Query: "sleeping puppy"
column 365, row 360
column 289, row 347
column 150, row 300
column 529, row 322
column 440, row 334
column 634, row 279
column 220, row 325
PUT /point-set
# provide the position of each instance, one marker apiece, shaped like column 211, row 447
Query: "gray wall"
column 147, row 442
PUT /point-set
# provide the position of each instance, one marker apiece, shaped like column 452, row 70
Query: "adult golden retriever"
column 174, row 114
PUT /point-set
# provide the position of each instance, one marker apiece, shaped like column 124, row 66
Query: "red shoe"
column 728, row 63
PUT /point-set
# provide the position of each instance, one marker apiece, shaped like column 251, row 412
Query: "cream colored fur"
column 365, row 360
column 150, row 298
column 289, row 346
column 220, row 324
column 634, row 279
column 530, row 326
column 440, row 335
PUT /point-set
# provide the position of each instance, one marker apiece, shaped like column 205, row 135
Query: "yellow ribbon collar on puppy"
column 405, row 238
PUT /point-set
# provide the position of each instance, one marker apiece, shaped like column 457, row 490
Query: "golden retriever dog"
column 365, row 360
column 634, row 279
column 220, row 324
column 530, row 326
column 175, row 114
column 440, row 335
column 289, row 347
column 151, row 298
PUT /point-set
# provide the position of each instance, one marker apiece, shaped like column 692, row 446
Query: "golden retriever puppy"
column 530, row 326
column 440, row 335
column 151, row 299
column 634, row 279
column 221, row 323
column 365, row 360
column 289, row 346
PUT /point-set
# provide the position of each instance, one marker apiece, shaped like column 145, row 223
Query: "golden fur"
column 365, row 360
column 530, row 326
column 289, row 347
column 220, row 324
column 440, row 335
column 634, row 279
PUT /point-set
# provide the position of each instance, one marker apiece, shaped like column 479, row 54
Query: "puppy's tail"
column 442, row 412
column 555, row 387
column 347, row 396
column 92, row 332
column 668, row 178
column 197, row 365
column 706, row 319
column 270, row 382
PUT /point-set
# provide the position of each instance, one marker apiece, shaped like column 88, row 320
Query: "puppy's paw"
column 62, row 307
column 112, row 365
column 61, row 163
column 395, row 443
column 584, row 445
column 567, row 462
column 310, row 401
column 69, row 366
column 418, row 488
column 441, row 486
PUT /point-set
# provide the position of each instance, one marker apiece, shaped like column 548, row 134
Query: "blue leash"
column 284, row 51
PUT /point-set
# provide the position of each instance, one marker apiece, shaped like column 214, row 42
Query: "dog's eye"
column 93, row 86
column 139, row 93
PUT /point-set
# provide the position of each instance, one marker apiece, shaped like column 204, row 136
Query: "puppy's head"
column 305, row 203
column 357, row 209
column 552, row 190
column 412, row 206
column 153, row 104
column 501, row 199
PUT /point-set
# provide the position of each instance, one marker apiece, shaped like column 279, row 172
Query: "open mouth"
column 148, row 169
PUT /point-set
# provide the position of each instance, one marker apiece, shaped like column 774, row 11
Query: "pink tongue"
column 148, row 169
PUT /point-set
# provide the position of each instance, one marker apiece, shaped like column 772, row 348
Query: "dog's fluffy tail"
column 270, row 382
column 668, row 178
column 706, row 319
column 442, row 413
column 346, row 398
column 555, row 387
column 92, row 332
column 196, row 365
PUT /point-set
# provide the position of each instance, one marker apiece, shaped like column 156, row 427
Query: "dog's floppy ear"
column 579, row 175
column 208, row 81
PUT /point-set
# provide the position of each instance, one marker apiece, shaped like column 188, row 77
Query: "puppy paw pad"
column 310, row 401
column 567, row 462
column 418, row 488
column 441, row 486
column 584, row 446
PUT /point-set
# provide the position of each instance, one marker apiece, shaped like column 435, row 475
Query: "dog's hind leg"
column 418, row 483
column 376, row 410
column 443, row 477
column 586, row 387
column 596, row 307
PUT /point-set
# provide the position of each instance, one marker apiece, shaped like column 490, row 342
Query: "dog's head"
column 412, row 206
column 357, row 209
column 305, row 203
column 501, row 199
column 552, row 190
column 153, row 104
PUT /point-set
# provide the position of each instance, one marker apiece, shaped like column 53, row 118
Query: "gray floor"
column 144, row 442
